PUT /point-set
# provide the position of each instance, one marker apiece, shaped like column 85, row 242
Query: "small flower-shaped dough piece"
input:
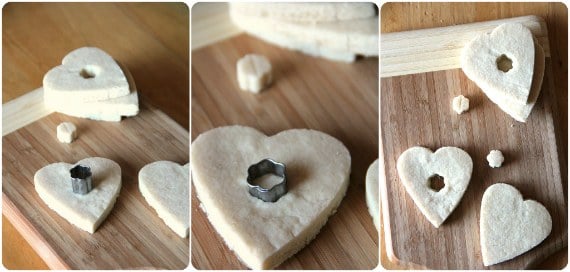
column 253, row 73
column 66, row 132
column 460, row 104
column 495, row 158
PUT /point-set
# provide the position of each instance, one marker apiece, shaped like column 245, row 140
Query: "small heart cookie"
column 86, row 74
column 502, row 62
column 264, row 234
column 164, row 185
column 87, row 212
column 372, row 193
column 509, row 225
column 417, row 167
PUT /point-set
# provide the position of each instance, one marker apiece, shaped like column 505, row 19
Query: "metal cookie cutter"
column 267, row 166
column 81, row 179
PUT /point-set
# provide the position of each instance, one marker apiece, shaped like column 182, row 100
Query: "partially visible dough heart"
column 480, row 57
column 86, row 74
column 264, row 234
column 372, row 193
column 520, row 112
column 103, row 110
column 509, row 225
column 418, row 164
column 164, row 185
column 53, row 185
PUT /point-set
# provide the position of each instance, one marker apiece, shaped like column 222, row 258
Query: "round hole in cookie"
column 504, row 63
column 436, row 182
column 89, row 71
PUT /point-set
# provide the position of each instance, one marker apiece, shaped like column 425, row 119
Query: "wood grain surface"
column 426, row 15
column 151, row 39
column 132, row 236
column 339, row 99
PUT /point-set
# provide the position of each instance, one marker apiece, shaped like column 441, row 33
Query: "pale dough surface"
column 87, row 212
column 510, row 226
column 372, row 193
column 165, row 186
column 495, row 158
column 264, row 234
column 65, row 81
column 340, row 40
column 460, row 104
column 479, row 62
column 102, row 110
column 254, row 72
column 306, row 12
column 66, row 132
column 417, row 164
column 521, row 112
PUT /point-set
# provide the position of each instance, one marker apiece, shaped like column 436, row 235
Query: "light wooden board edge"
column 23, row 110
column 31, row 235
column 435, row 49
column 211, row 23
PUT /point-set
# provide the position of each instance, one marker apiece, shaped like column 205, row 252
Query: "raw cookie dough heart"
column 520, row 112
column 509, row 225
column 264, row 234
column 418, row 164
column 86, row 74
column 164, row 185
column 482, row 57
column 53, row 185
column 103, row 110
column 372, row 193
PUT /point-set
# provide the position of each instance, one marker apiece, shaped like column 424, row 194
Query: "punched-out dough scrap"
column 460, row 104
column 263, row 234
column 372, row 193
column 87, row 212
column 418, row 164
column 306, row 12
column 66, row 132
column 254, row 73
column 510, row 226
column 86, row 74
column 111, row 110
column 495, row 158
column 165, row 186
column 339, row 41
column 481, row 58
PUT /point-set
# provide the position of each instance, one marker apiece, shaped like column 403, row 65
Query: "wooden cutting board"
column 132, row 236
column 340, row 99
column 417, row 111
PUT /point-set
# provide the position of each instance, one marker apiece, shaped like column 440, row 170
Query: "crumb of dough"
column 460, row 104
column 495, row 158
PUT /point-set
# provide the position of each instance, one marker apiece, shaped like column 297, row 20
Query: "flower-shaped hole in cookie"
column 90, row 71
column 504, row 63
column 436, row 182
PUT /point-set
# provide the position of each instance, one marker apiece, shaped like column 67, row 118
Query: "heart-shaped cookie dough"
column 487, row 58
column 372, row 193
column 417, row 166
column 86, row 74
column 164, row 185
column 509, row 225
column 520, row 112
column 264, row 234
column 53, row 185
column 103, row 110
